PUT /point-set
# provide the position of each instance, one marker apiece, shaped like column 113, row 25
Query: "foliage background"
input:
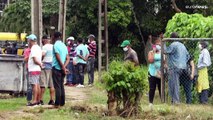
column 82, row 15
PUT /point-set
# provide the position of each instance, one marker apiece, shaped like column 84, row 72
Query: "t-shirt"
column 92, row 49
column 60, row 48
column 27, row 54
column 72, row 52
column 156, row 65
column 83, row 51
column 35, row 52
column 48, row 58
column 48, row 50
column 131, row 56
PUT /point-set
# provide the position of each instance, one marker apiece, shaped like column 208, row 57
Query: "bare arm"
column 193, row 69
column 67, row 61
column 26, row 59
column 59, row 60
column 63, row 66
column 151, row 57
column 37, row 62
column 81, row 57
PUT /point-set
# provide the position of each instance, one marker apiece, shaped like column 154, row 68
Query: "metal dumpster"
column 12, row 74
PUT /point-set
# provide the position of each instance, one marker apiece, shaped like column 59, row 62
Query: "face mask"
column 68, row 43
column 88, row 41
column 200, row 47
column 125, row 49
column 158, row 47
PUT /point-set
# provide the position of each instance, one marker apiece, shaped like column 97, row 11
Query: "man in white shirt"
column 34, row 68
column 46, row 72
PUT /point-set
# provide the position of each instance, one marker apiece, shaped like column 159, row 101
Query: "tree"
column 17, row 17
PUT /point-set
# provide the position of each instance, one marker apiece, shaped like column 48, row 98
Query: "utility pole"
column 103, row 54
column 62, row 18
column 36, row 19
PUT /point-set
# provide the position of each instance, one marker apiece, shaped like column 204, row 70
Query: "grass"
column 98, row 100
column 15, row 103
column 11, row 104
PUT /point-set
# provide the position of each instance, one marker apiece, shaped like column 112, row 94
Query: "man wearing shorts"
column 34, row 68
column 46, row 73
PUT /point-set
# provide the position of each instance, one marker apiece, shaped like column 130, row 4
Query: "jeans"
column 174, row 83
column 80, row 73
column 203, row 96
column 153, row 83
column 91, row 69
column 29, row 88
column 187, row 85
column 58, row 82
column 71, row 76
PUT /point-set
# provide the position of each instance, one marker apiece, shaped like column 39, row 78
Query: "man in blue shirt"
column 177, row 65
column 81, row 60
column 60, row 61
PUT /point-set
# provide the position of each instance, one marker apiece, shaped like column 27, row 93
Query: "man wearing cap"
column 46, row 73
column 91, row 59
column 60, row 61
column 34, row 68
column 71, row 46
column 130, row 54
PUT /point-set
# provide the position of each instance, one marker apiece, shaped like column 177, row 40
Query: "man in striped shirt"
column 91, row 59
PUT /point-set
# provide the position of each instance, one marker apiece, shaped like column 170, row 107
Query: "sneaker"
column 32, row 104
column 151, row 106
column 78, row 86
column 66, row 84
column 28, row 103
column 51, row 102
column 41, row 102
column 90, row 85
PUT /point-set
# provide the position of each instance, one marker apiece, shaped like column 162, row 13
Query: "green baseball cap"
column 125, row 43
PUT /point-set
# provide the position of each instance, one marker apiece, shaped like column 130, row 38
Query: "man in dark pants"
column 177, row 55
column 29, row 86
column 60, row 61
column 91, row 59
column 81, row 60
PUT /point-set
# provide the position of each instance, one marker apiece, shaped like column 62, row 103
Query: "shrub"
column 125, row 84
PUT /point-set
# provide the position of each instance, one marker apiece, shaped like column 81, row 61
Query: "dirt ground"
column 73, row 96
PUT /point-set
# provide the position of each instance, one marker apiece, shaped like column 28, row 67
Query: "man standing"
column 71, row 46
column 91, row 59
column 81, row 60
column 130, row 54
column 177, row 65
column 34, row 68
column 60, row 61
column 46, row 73
column 29, row 86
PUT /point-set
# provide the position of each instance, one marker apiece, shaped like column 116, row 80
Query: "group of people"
column 181, row 70
column 77, row 53
column 48, row 66
column 10, row 48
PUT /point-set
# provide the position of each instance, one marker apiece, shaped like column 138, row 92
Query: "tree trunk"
column 112, row 103
column 174, row 6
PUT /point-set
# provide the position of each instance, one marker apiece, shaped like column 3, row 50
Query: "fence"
column 187, row 87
